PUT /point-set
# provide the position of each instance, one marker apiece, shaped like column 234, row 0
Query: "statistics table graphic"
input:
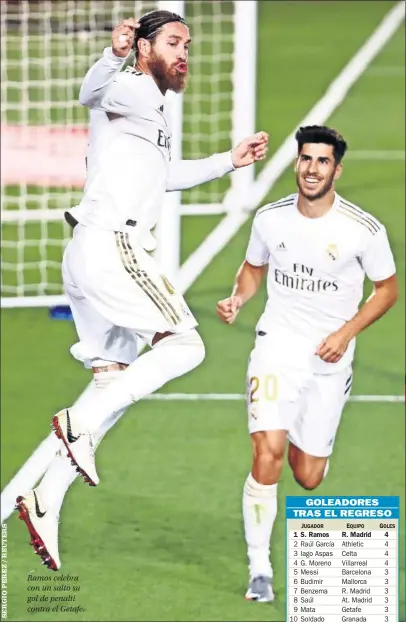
column 342, row 559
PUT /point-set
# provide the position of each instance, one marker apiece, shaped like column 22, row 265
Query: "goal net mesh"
column 46, row 49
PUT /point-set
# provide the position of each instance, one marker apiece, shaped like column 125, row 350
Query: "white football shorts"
column 285, row 395
column 116, row 293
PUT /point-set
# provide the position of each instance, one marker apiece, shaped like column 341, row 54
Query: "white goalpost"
column 46, row 48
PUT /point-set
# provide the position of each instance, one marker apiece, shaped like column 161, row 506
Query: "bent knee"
column 199, row 345
column 191, row 343
column 266, row 454
column 267, row 467
column 309, row 480
column 193, row 340
column 267, row 461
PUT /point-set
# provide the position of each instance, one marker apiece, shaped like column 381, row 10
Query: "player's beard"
column 321, row 192
column 168, row 77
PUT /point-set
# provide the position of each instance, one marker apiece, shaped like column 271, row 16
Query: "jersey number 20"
column 263, row 388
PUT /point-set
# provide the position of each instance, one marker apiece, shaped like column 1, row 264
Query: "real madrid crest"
column 332, row 251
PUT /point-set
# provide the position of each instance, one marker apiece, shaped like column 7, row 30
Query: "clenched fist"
column 123, row 37
column 228, row 309
column 250, row 150
column 334, row 346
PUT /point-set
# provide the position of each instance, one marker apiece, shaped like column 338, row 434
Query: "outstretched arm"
column 188, row 173
column 101, row 73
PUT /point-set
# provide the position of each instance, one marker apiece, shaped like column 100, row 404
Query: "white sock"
column 172, row 357
column 259, row 512
column 326, row 468
column 60, row 474
column 55, row 483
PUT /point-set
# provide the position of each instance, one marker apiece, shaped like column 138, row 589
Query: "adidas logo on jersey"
column 281, row 247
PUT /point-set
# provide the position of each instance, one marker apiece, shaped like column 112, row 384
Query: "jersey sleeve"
column 122, row 95
column 99, row 77
column 257, row 251
column 188, row 173
column 377, row 258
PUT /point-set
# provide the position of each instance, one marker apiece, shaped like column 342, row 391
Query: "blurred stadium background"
column 161, row 539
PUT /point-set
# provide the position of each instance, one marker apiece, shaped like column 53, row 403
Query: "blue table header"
column 342, row 507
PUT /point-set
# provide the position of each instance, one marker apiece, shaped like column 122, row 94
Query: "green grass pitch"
column 161, row 538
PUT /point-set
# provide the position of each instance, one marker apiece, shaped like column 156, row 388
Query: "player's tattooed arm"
column 99, row 76
column 247, row 283
column 383, row 297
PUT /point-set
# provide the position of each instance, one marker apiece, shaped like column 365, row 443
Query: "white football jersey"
column 316, row 271
column 128, row 157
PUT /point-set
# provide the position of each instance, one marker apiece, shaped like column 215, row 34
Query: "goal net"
column 46, row 49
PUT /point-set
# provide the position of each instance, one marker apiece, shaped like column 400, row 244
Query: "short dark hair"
column 151, row 25
column 322, row 134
